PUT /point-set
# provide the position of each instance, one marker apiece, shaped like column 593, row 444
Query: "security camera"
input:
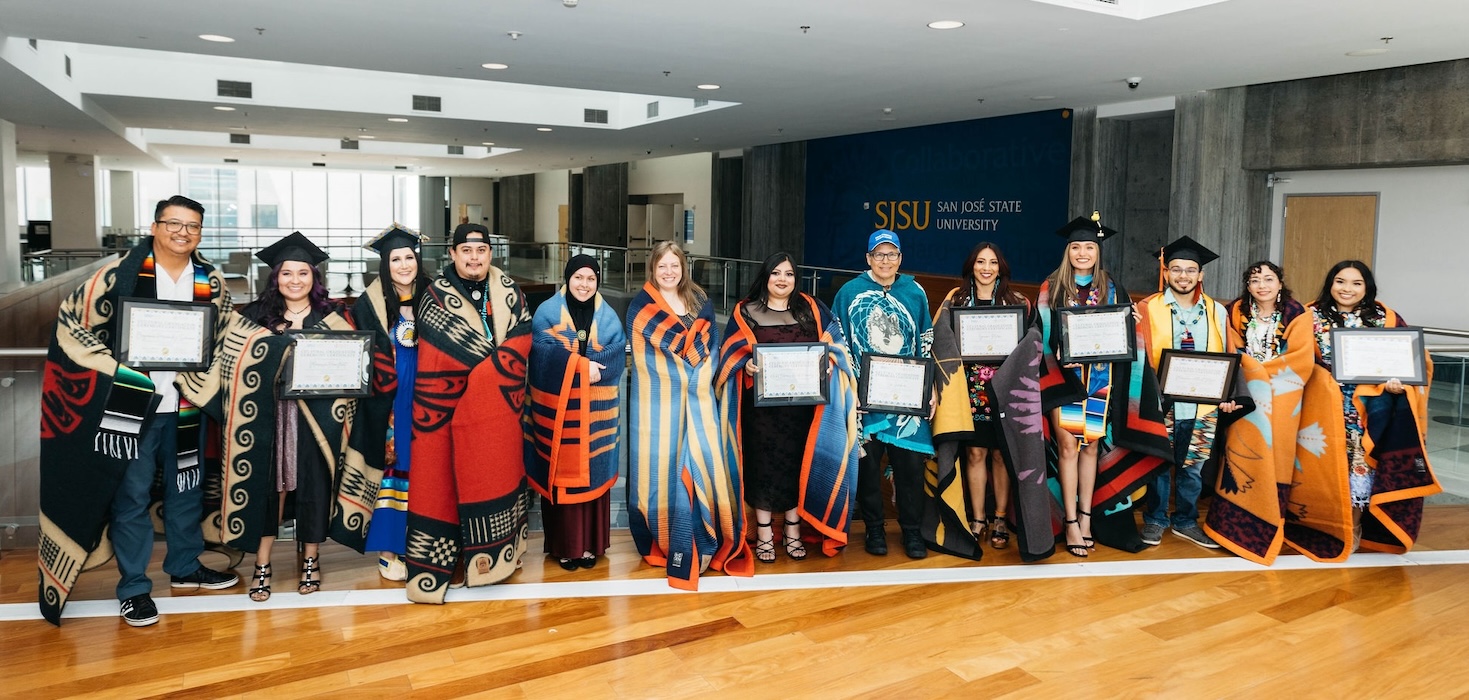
column 1133, row 82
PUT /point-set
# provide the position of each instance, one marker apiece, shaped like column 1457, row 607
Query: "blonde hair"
column 692, row 294
column 1062, row 282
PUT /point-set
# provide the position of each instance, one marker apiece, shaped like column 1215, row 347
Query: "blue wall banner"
column 943, row 189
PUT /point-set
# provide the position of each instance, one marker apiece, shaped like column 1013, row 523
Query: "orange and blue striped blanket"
column 685, row 500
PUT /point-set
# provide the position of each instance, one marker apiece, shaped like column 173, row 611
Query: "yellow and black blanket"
column 93, row 410
column 469, row 498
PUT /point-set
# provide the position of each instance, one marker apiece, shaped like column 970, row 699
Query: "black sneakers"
column 139, row 610
column 205, row 577
column 913, row 545
column 877, row 544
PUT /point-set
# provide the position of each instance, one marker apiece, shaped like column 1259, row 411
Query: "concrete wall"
column 552, row 191
column 1420, row 211
column 689, row 175
column 472, row 190
column 76, row 202
column 9, row 207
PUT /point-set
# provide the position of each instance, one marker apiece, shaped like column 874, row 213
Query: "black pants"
column 908, row 468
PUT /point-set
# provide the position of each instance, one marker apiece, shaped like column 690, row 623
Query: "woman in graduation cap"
column 575, row 376
column 301, row 469
column 1089, row 404
column 385, row 442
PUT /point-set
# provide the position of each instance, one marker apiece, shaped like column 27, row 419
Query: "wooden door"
column 562, row 223
column 1323, row 230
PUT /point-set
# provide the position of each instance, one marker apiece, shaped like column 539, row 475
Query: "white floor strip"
column 764, row 582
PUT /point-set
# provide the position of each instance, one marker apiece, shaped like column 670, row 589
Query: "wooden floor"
column 1400, row 631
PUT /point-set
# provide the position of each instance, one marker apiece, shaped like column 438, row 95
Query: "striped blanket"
column 571, row 446
column 829, row 466
column 469, row 499
column 685, row 500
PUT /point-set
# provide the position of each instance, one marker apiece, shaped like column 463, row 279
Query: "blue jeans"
column 132, row 528
column 1189, row 483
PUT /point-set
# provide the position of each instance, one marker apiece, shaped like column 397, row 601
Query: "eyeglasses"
column 885, row 257
column 174, row 226
column 1183, row 272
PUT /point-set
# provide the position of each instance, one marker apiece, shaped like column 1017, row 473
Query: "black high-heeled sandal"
column 764, row 549
column 1090, row 543
column 999, row 533
column 1076, row 550
column 977, row 528
column 260, row 592
column 310, row 576
column 795, row 548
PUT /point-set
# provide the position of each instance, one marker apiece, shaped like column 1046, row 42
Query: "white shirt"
column 170, row 289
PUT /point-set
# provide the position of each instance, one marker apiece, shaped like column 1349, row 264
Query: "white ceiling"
column 857, row 58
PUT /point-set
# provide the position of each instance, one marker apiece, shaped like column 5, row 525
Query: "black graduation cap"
column 392, row 238
column 1086, row 229
column 462, row 233
column 1186, row 248
column 293, row 247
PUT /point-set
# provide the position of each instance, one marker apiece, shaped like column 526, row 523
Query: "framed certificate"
column 895, row 384
column 165, row 335
column 1197, row 377
column 988, row 334
column 1096, row 333
column 328, row 364
column 1375, row 355
column 791, row 374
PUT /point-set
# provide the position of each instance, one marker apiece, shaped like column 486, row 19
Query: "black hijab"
column 581, row 311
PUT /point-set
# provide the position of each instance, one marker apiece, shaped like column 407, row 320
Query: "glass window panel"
column 106, row 178
column 274, row 206
column 377, row 203
column 309, row 208
column 38, row 194
column 153, row 187
column 405, row 201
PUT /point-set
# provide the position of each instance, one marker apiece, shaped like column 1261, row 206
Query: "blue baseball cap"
column 881, row 236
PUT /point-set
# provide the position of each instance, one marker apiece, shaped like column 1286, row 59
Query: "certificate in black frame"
column 875, row 362
column 123, row 350
column 823, row 394
column 1341, row 341
column 1228, row 364
column 363, row 375
column 1066, row 355
column 1018, row 312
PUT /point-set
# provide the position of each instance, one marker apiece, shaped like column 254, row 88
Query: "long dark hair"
column 968, row 291
column 1368, row 307
column 760, row 293
column 1246, row 300
column 274, row 304
column 390, row 293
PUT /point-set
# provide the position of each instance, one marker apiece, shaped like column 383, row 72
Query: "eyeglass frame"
column 886, row 257
column 1181, row 271
column 174, row 226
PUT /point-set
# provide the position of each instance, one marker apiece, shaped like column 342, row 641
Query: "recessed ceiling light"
column 399, row 120
column 543, row 128
column 1042, row 98
column 217, row 38
column 223, row 108
column 366, row 136
column 488, row 143
column 708, row 86
column 1367, row 52
column 945, row 24
column 494, row 66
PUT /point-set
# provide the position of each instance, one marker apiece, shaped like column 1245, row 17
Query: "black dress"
column 774, row 436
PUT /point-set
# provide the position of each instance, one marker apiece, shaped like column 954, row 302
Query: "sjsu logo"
column 903, row 214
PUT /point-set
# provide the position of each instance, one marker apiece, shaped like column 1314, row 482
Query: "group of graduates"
column 476, row 403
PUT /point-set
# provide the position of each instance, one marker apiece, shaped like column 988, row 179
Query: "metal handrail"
column 23, row 352
column 1453, row 332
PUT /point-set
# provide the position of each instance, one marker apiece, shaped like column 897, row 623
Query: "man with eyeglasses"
column 1182, row 317
column 885, row 312
column 109, row 431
